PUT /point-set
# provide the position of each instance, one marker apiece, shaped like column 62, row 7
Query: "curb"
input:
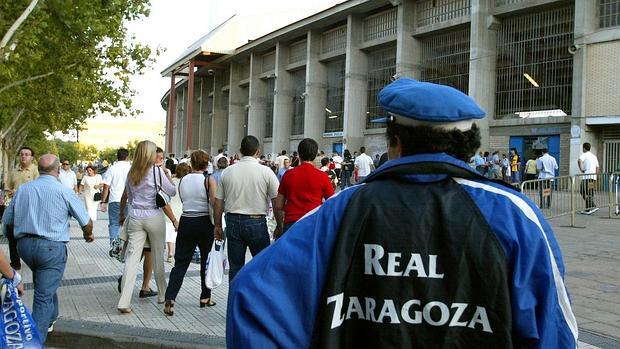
column 85, row 334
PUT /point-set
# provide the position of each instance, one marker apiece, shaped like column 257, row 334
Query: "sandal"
column 169, row 308
column 208, row 303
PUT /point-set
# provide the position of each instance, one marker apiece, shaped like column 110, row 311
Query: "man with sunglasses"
column 67, row 177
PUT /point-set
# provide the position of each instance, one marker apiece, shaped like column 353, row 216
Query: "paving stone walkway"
column 88, row 292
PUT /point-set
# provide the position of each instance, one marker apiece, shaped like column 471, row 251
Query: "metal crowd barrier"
column 570, row 195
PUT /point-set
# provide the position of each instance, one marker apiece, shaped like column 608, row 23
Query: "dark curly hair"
column 427, row 139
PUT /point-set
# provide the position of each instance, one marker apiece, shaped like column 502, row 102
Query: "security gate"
column 611, row 155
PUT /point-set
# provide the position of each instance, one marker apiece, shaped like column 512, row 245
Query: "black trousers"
column 587, row 192
column 13, row 254
column 193, row 231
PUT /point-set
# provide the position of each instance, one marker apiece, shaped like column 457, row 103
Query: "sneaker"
column 593, row 210
column 617, row 211
column 50, row 329
column 147, row 293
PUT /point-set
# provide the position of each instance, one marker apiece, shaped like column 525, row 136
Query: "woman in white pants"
column 145, row 220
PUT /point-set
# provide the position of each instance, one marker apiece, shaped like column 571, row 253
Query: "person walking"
column 177, row 209
column 496, row 164
column 347, row 169
column 79, row 175
column 337, row 159
column 505, row 168
column 91, row 185
column 146, row 219
column 531, row 169
column 67, row 177
column 479, row 163
column 195, row 229
column 286, row 165
column 113, row 186
column 295, row 159
column 26, row 171
column 279, row 162
column 363, row 164
column 589, row 166
column 515, row 166
column 416, row 257
column 302, row 189
column 40, row 212
column 244, row 194
column 546, row 166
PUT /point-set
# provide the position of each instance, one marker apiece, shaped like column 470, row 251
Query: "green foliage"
column 108, row 154
column 85, row 56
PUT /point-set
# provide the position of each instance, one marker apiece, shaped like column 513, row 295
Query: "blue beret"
column 428, row 102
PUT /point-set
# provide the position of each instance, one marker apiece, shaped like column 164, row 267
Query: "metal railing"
column 571, row 195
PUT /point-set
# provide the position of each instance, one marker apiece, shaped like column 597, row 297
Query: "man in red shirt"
column 302, row 188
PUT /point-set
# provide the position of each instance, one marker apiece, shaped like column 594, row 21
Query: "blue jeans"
column 114, row 212
column 47, row 260
column 244, row 231
column 516, row 177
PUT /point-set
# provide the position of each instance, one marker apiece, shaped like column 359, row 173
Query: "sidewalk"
column 88, row 294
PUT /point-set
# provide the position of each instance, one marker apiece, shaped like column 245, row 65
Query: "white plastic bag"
column 216, row 264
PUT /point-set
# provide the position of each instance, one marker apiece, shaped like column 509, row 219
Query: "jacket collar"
column 423, row 158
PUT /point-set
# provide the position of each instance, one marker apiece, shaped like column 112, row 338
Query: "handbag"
column 216, row 264
column 161, row 199
column 18, row 329
column 97, row 196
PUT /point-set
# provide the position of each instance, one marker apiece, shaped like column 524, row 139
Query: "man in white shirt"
column 280, row 160
column 244, row 193
column 67, row 177
column 113, row 186
column 185, row 159
column 363, row 164
column 588, row 165
column 546, row 166
column 220, row 154
column 337, row 159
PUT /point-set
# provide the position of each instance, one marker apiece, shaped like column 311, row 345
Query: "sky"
column 174, row 26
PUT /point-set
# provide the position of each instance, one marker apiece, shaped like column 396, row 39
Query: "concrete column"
column 282, row 102
column 170, row 120
column 355, row 86
column 219, row 116
column 316, row 89
column 201, row 118
column 256, row 117
column 482, row 63
column 238, row 99
column 179, row 137
column 585, row 24
column 408, row 52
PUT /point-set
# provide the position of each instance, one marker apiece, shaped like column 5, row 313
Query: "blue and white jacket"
column 425, row 253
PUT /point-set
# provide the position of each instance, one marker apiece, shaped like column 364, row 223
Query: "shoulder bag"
column 161, row 198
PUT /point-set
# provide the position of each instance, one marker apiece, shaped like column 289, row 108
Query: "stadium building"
column 546, row 71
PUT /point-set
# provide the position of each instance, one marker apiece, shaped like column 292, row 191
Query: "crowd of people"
column 383, row 261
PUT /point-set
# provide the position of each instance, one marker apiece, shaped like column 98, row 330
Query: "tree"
column 108, row 154
column 62, row 62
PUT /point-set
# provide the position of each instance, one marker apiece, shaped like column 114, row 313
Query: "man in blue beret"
column 425, row 253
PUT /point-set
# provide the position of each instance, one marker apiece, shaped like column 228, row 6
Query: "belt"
column 32, row 236
column 252, row 216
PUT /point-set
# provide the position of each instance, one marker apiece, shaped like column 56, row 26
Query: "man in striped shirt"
column 40, row 212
